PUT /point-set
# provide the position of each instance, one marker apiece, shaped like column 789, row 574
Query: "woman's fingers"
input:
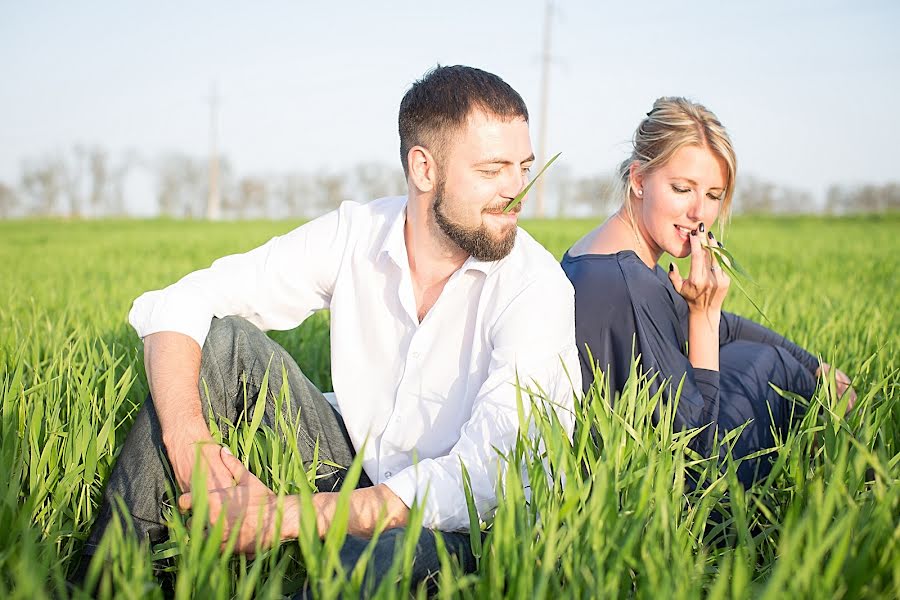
column 706, row 284
column 675, row 277
column 699, row 260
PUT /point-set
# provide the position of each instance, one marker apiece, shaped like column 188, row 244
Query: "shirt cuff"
column 440, row 497
column 404, row 485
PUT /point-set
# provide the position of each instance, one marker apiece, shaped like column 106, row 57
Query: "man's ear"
column 422, row 169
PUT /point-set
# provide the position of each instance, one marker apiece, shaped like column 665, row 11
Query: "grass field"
column 825, row 524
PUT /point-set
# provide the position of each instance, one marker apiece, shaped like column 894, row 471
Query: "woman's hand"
column 707, row 284
column 704, row 291
column 841, row 383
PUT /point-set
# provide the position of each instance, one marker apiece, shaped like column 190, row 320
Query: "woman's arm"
column 735, row 327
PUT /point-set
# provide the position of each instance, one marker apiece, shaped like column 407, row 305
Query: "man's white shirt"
column 417, row 398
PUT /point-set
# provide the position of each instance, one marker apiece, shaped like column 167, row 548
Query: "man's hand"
column 245, row 504
column 841, row 383
column 184, row 452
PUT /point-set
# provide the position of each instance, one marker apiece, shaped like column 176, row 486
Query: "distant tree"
column 42, row 182
column 73, row 180
column 98, row 164
column 376, row 180
column 891, row 194
column 330, row 191
column 842, row 199
column 868, row 198
column 115, row 193
column 754, row 195
column 791, row 200
column 294, row 195
column 559, row 186
column 836, row 200
column 590, row 196
column 252, row 197
column 8, row 201
column 181, row 188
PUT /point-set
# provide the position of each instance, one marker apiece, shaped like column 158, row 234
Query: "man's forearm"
column 369, row 507
column 172, row 362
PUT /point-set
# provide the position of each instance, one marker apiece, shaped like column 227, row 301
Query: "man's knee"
column 225, row 335
column 224, row 354
column 224, row 331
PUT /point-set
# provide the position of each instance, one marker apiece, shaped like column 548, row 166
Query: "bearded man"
column 439, row 305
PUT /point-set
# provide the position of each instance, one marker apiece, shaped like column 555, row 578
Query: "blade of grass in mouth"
column 512, row 203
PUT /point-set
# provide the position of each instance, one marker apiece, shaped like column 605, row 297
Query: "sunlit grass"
column 613, row 519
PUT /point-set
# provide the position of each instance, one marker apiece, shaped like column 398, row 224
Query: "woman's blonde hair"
column 672, row 124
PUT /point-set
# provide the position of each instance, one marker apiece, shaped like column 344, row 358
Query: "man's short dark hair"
column 437, row 106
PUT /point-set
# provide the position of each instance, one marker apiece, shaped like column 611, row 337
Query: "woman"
column 678, row 180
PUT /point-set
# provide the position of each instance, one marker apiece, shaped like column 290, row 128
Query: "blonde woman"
column 678, row 180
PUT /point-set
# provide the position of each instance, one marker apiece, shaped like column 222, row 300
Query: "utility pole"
column 214, row 200
column 545, row 92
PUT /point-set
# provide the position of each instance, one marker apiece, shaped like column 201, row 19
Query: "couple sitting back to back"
column 439, row 304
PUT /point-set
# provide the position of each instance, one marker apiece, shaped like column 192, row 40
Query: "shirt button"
column 387, row 474
column 415, row 355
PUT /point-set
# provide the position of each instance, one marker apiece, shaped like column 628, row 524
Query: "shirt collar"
column 394, row 246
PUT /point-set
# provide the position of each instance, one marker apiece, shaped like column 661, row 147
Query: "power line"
column 545, row 93
column 214, row 199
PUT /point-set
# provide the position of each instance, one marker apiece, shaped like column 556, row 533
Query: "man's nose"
column 513, row 183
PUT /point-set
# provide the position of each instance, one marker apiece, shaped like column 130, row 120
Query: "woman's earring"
column 640, row 192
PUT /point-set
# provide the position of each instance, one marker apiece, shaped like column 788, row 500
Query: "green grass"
column 825, row 524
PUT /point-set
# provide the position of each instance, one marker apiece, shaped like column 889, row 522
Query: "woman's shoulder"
column 621, row 268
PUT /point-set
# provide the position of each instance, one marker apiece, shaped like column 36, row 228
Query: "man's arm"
column 246, row 504
column 172, row 362
column 281, row 283
column 368, row 508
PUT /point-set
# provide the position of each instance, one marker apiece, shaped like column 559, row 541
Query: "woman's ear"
column 422, row 169
column 636, row 177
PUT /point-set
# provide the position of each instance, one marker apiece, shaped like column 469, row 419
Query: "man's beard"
column 476, row 241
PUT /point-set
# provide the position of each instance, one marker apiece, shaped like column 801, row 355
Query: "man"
column 439, row 304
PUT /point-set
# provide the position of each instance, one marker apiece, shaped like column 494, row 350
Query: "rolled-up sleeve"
column 274, row 286
column 534, row 344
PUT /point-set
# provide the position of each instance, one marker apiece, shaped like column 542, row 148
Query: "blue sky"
column 807, row 89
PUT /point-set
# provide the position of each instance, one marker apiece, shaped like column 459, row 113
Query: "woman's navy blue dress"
column 619, row 301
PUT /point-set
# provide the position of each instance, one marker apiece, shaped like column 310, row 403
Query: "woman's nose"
column 695, row 208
